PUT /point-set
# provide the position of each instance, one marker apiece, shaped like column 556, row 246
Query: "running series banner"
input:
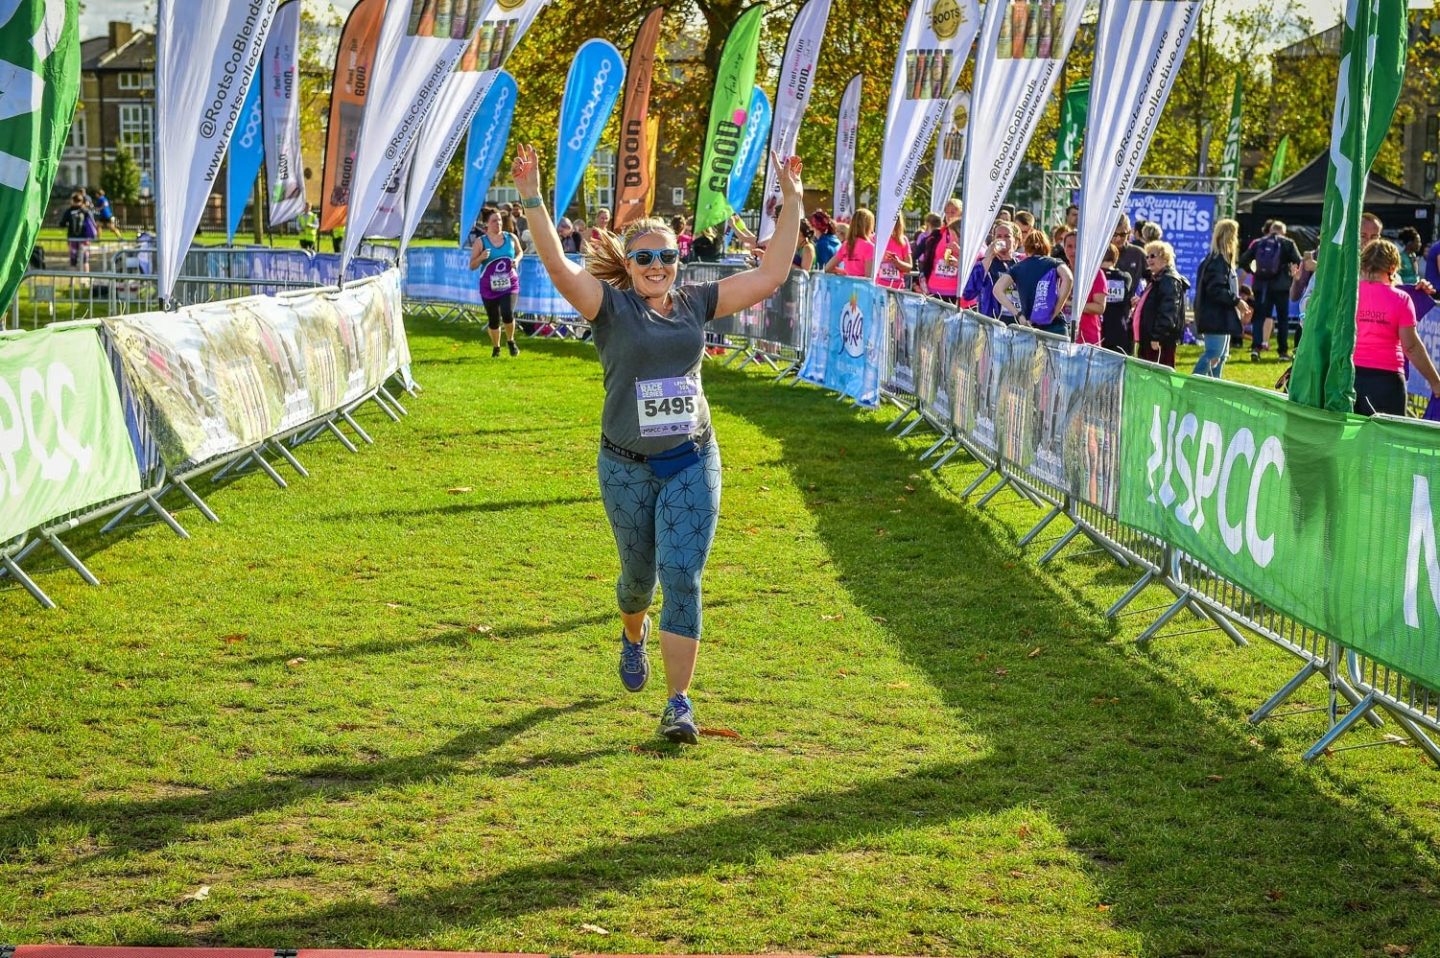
column 420, row 43
column 937, row 40
column 354, row 65
column 40, row 48
column 591, row 90
column 1021, row 55
column 279, row 83
column 792, row 98
column 224, row 377
column 847, row 132
column 484, row 146
column 634, row 184
column 467, row 88
column 752, row 149
column 1139, row 47
column 207, row 52
column 729, row 109
column 64, row 444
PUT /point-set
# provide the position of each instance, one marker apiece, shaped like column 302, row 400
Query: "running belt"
column 701, row 440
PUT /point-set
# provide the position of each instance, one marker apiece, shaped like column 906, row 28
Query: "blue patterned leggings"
column 663, row 529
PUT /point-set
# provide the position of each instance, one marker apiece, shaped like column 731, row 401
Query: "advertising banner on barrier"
column 847, row 134
column 1020, row 56
column 792, row 97
column 417, row 52
column 591, row 89
column 247, row 155
column 279, row 83
column 752, row 148
column 852, row 317
column 930, row 355
column 441, row 274
column 1138, row 50
column 634, row 183
column 206, row 54
column 1020, row 373
column 1330, row 518
column 950, row 150
column 459, row 102
column 64, row 444
column 484, row 147
column 935, row 43
column 221, row 378
column 40, row 47
column 354, row 66
column 906, row 311
column 963, row 373
column 989, row 371
column 729, row 109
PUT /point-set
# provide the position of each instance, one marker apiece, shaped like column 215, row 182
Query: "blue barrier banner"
column 591, row 90
column 851, row 314
column 485, row 145
column 247, row 154
column 538, row 296
column 441, row 274
column 752, row 149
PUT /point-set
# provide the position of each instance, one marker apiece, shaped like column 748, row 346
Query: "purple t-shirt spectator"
column 1432, row 265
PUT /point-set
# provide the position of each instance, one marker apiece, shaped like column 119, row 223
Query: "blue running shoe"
column 634, row 663
column 677, row 722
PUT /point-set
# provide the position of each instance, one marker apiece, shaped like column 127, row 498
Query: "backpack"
column 1045, row 308
column 1267, row 258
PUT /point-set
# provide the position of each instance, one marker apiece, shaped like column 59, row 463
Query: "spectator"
column 1247, row 296
column 1385, row 336
column 939, row 263
column 826, row 242
column 517, row 215
column 1024, row 222
column 570, row 239
column 1269, row 261
column 1409, row 256
column 1160, row 318
column 310, row 229
column 104, row 215
column 1132, row 259
column 805, row 250
column 1072, row 216
column 583, row 232
column 1057, row 243
column 602, row 223
column 683, row 239
column 857, row 254
column 1088, row 329
column 929, row 225
column 1035, row 287
column 1151, row 233
column 1120, row 284
column 1219, row 311
column 895, row 259
column 79, row 225
column 1370, row 229
column 1432, row 264
column 996, row 261
column 706, row 247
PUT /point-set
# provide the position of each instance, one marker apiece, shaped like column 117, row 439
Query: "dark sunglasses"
column 644, row 257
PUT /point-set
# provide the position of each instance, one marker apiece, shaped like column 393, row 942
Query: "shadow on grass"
column 131, row 825
column 456, row 509
column 1199, row 841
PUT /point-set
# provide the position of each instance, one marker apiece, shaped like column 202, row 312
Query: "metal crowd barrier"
column 1368, row 687
column 157, row 483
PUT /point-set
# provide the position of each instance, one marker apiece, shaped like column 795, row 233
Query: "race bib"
column 944, row 270
column 1114, row 290
column 501, row 280
column 668, row 407
column 888, row 271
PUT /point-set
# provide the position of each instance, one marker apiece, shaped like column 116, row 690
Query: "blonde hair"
column 1225, row 241
column 605, row 254
column 1164, row 250
column 899, row 231
column 1380, row 256
column 1152, row 233
column 861, row 227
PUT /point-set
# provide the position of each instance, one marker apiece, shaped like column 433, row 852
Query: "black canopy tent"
column 1299, row 201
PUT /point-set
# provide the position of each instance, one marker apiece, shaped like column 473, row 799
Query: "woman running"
column 658, row 462
column 496, row 254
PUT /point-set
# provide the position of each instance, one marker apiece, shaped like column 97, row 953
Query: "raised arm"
column 743, row 290
column 579, row 288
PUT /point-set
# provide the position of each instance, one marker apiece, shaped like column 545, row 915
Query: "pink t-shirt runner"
column 859, row 257
column 1382, row 312
column 1089, row 331
column 890, row 274
column 944, row 278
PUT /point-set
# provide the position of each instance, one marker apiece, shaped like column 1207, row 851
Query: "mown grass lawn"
column 381, row 709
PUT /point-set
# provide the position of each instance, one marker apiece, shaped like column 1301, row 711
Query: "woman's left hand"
column 787, row 174
column 1155, row 345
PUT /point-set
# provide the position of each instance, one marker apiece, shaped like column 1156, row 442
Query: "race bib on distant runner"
column 1114, row 290
column 889, row 272
column 668, row 407
column 947, row 270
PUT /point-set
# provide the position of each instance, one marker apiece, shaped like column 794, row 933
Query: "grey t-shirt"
column 637, row 344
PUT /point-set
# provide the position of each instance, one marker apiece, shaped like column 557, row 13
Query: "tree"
column 121, row 177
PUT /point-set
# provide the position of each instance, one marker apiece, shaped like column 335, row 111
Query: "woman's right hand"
column 525, row 170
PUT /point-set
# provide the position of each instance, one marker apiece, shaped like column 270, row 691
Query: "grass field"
column 381, row 709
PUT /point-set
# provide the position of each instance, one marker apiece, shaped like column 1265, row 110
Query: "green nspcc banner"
column 1327, row 518
column 63, row 440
